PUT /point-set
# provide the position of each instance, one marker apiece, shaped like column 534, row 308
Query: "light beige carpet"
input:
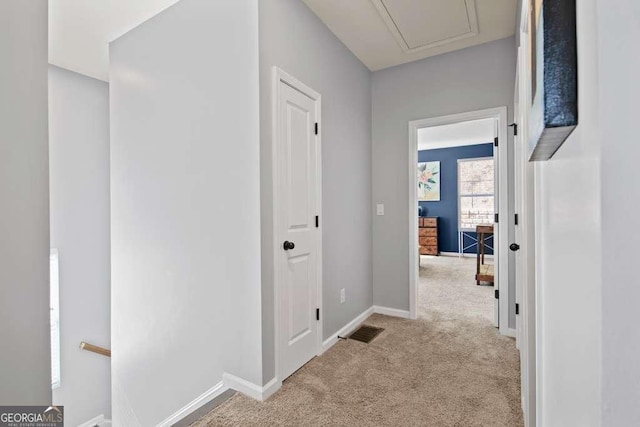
column 448, row 288
column 448, row 368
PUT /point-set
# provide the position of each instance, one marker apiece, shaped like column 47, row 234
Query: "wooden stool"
column 484, row 272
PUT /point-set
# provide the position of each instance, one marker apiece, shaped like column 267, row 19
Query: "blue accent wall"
column 447, row 208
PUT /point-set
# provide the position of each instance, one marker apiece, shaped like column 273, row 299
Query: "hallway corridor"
column 448, row 368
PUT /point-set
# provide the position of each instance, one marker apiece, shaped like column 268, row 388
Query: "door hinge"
column 495, row 141
column 317, row 221
column 496, row 294
column 495, row 218
column 515, row 128
column 516, row 219
column 317, row 314
column 316, row 128
column 517, row 308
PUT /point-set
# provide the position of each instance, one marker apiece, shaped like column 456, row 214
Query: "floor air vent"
column 365, row 333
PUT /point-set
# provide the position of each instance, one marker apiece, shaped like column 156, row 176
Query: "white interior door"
column 297, row 208
column 496, row 228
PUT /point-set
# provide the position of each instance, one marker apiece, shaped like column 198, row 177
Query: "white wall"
column 25, row 367
column 619, row 91
column 79, row 197
column 475, row 78
column 294, row 39
column 569, row 256
column 185, row 207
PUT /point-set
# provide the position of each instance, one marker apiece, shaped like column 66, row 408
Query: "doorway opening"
column 458, row 193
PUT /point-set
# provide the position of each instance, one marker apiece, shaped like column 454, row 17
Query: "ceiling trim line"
column 472, row 17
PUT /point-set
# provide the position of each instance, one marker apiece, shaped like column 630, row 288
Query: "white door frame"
column 280, row 76
column 528, row 319
column 517, row 193
column 502, row 244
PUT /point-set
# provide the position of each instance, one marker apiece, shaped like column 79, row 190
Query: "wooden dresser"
column 428, row 235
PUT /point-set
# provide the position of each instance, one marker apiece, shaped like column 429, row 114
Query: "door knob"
column 288, row 245
column 514, row 247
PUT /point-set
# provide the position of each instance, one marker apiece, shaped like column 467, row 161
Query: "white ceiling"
column 384, row 33
column 457, row 134
column 80, row 30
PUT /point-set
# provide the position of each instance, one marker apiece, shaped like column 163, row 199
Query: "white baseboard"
column 271, row 387
column 391, row 312
column 250, row 389
column 465, row 255
column 100, row 421
column 195, row 404
column 511, row 332
column 346, row 329
column 97, row 421
column 228, row 382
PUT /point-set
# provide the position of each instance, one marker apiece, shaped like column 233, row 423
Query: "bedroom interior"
column 456, row 212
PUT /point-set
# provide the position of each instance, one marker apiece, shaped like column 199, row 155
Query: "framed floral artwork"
column 429, row 181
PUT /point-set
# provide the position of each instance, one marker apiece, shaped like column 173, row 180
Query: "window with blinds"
column 475, row 193
column 54, row 301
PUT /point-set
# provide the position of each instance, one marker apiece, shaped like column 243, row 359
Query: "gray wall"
column 185, row 198
column 294, row 39
column 79, row 197
column 25, row 367
column 471, row 79
column 619, row 31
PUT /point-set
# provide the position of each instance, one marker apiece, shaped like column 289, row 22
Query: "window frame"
column 460, row 195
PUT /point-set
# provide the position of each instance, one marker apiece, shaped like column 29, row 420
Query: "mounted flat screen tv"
column 554, row 114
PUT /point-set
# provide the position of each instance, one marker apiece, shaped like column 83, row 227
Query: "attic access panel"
column 424, row 24
column 555, row 53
